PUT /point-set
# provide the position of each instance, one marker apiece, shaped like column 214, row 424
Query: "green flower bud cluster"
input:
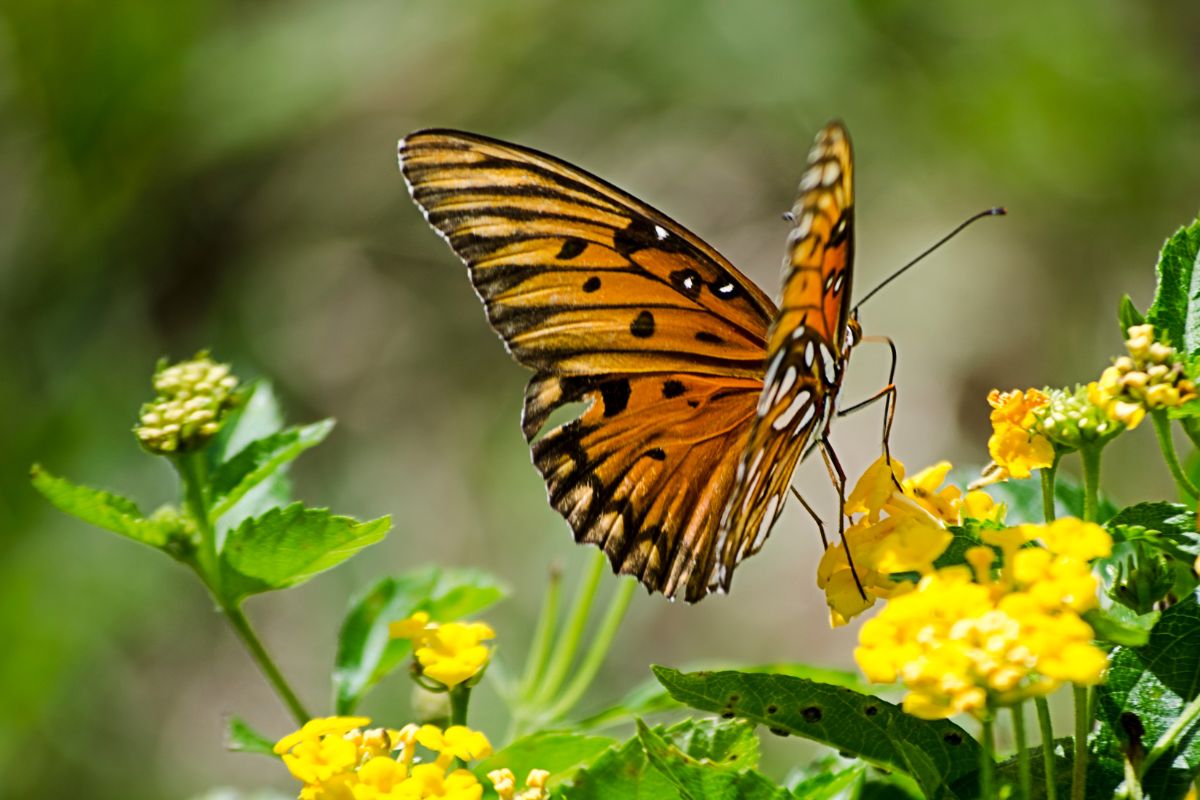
column 192, row 398
column 1072, row 420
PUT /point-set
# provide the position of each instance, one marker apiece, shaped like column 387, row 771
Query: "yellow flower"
column 457, row 741
column 449, row 653
column 874, row 488
column 942, row 502
column 965, row 642
column 431, row 780
column 383, row 778
column 1014, row 446
column 980, row 505
column 504, row 782
column 321, row 749
column 1151, row 377
column 318, row 727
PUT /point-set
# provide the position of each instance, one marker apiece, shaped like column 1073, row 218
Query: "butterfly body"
column 702, row 395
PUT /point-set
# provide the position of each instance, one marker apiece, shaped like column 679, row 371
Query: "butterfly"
column 701, row 395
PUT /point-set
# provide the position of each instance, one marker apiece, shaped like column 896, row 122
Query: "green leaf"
column 1128, row 315
column 287, row 546
column 1120, row 624
column 829, row 779
column 650, row 697
column 940, row 755
column 559, row 753
column 366, row 654
column 1170, row 518
column 721, row 775
column 1175, row 312
column 1153, row 684
column 621, row 773
column 241, row 738
column 259, row 460
column 105, row 509
column 257, row 416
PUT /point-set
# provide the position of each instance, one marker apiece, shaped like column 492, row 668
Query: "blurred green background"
column 204, row 173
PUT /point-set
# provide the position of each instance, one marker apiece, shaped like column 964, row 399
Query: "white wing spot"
column 837, row 285
column 789, row 413
column 660, row 232
column 804, row 420
column 809, row 354
column 810, row 179
column 789, row 378
column 689, row 283
column 725, row 290
column 831, row 173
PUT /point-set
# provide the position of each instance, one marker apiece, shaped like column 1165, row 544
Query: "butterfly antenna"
column 991, row 212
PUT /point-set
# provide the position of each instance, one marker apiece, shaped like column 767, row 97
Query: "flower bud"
column 192, row 397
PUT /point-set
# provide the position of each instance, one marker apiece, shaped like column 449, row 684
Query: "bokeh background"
column 205, row 173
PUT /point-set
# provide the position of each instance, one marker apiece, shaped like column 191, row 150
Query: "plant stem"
column 1024, row 770
column 543, row 637
column 1171, row 734
column 1162, row 431
column 565, row 647
column 597, row 650
column 987, row 760
column 1133, row 786
column 1043, row 713
column 1083, row 724
column 1048, row 489
column 193, row 469
column 1091, row 481
column 265, row 663
column 460, row 698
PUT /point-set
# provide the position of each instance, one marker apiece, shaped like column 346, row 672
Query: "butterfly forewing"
column 805, row 352
column 616, row 306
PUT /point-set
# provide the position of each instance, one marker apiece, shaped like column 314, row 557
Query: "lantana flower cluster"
column 971, row 638
column 192, row 396
column 1150, row 377
column 450, row 653
column 898, row 530
column 337, row 760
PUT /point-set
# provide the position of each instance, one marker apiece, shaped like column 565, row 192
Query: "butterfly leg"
column 813, row 514
column 888, row 394
column 838, row 476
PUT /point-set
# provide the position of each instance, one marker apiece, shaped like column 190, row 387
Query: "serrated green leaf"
column 940, row 755
column 366, row 654
column 259, row 460
column 560, row 753
column 241, row 738
column 1128, row 315
column 620, row 773
column 650, row 697
column 287, row 546
column 1155, row 683
column 1175, row 312
column 829, row 779
column 722, row 775
column 256, row 416
column 103, row 509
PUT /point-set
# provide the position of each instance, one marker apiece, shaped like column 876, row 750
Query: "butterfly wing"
column 614, row 305
column 806, row 350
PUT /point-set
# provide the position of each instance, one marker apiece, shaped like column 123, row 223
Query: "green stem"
column 1048, row 474
column 265, row 663
column 1162, row 431
column 564, row 651
column 193, row 472
column 1083, row 724
column 1043, row 713
column 1024, row 769
column 596, row 651
column 543, row 637
column 1133, row 785
column 1168, row 740
column 1091, row 481
column 987, row 760
column 460, row 698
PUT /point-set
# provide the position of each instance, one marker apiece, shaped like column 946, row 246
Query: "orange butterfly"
column 702, row 394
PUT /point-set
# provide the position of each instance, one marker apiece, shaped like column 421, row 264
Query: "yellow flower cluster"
column 449, row 653
column 969, row 640
column 1016, row 446
column 901, row 529
column 1150, row 377
column 505, row 784
column 192, row 397
column 337, row 760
